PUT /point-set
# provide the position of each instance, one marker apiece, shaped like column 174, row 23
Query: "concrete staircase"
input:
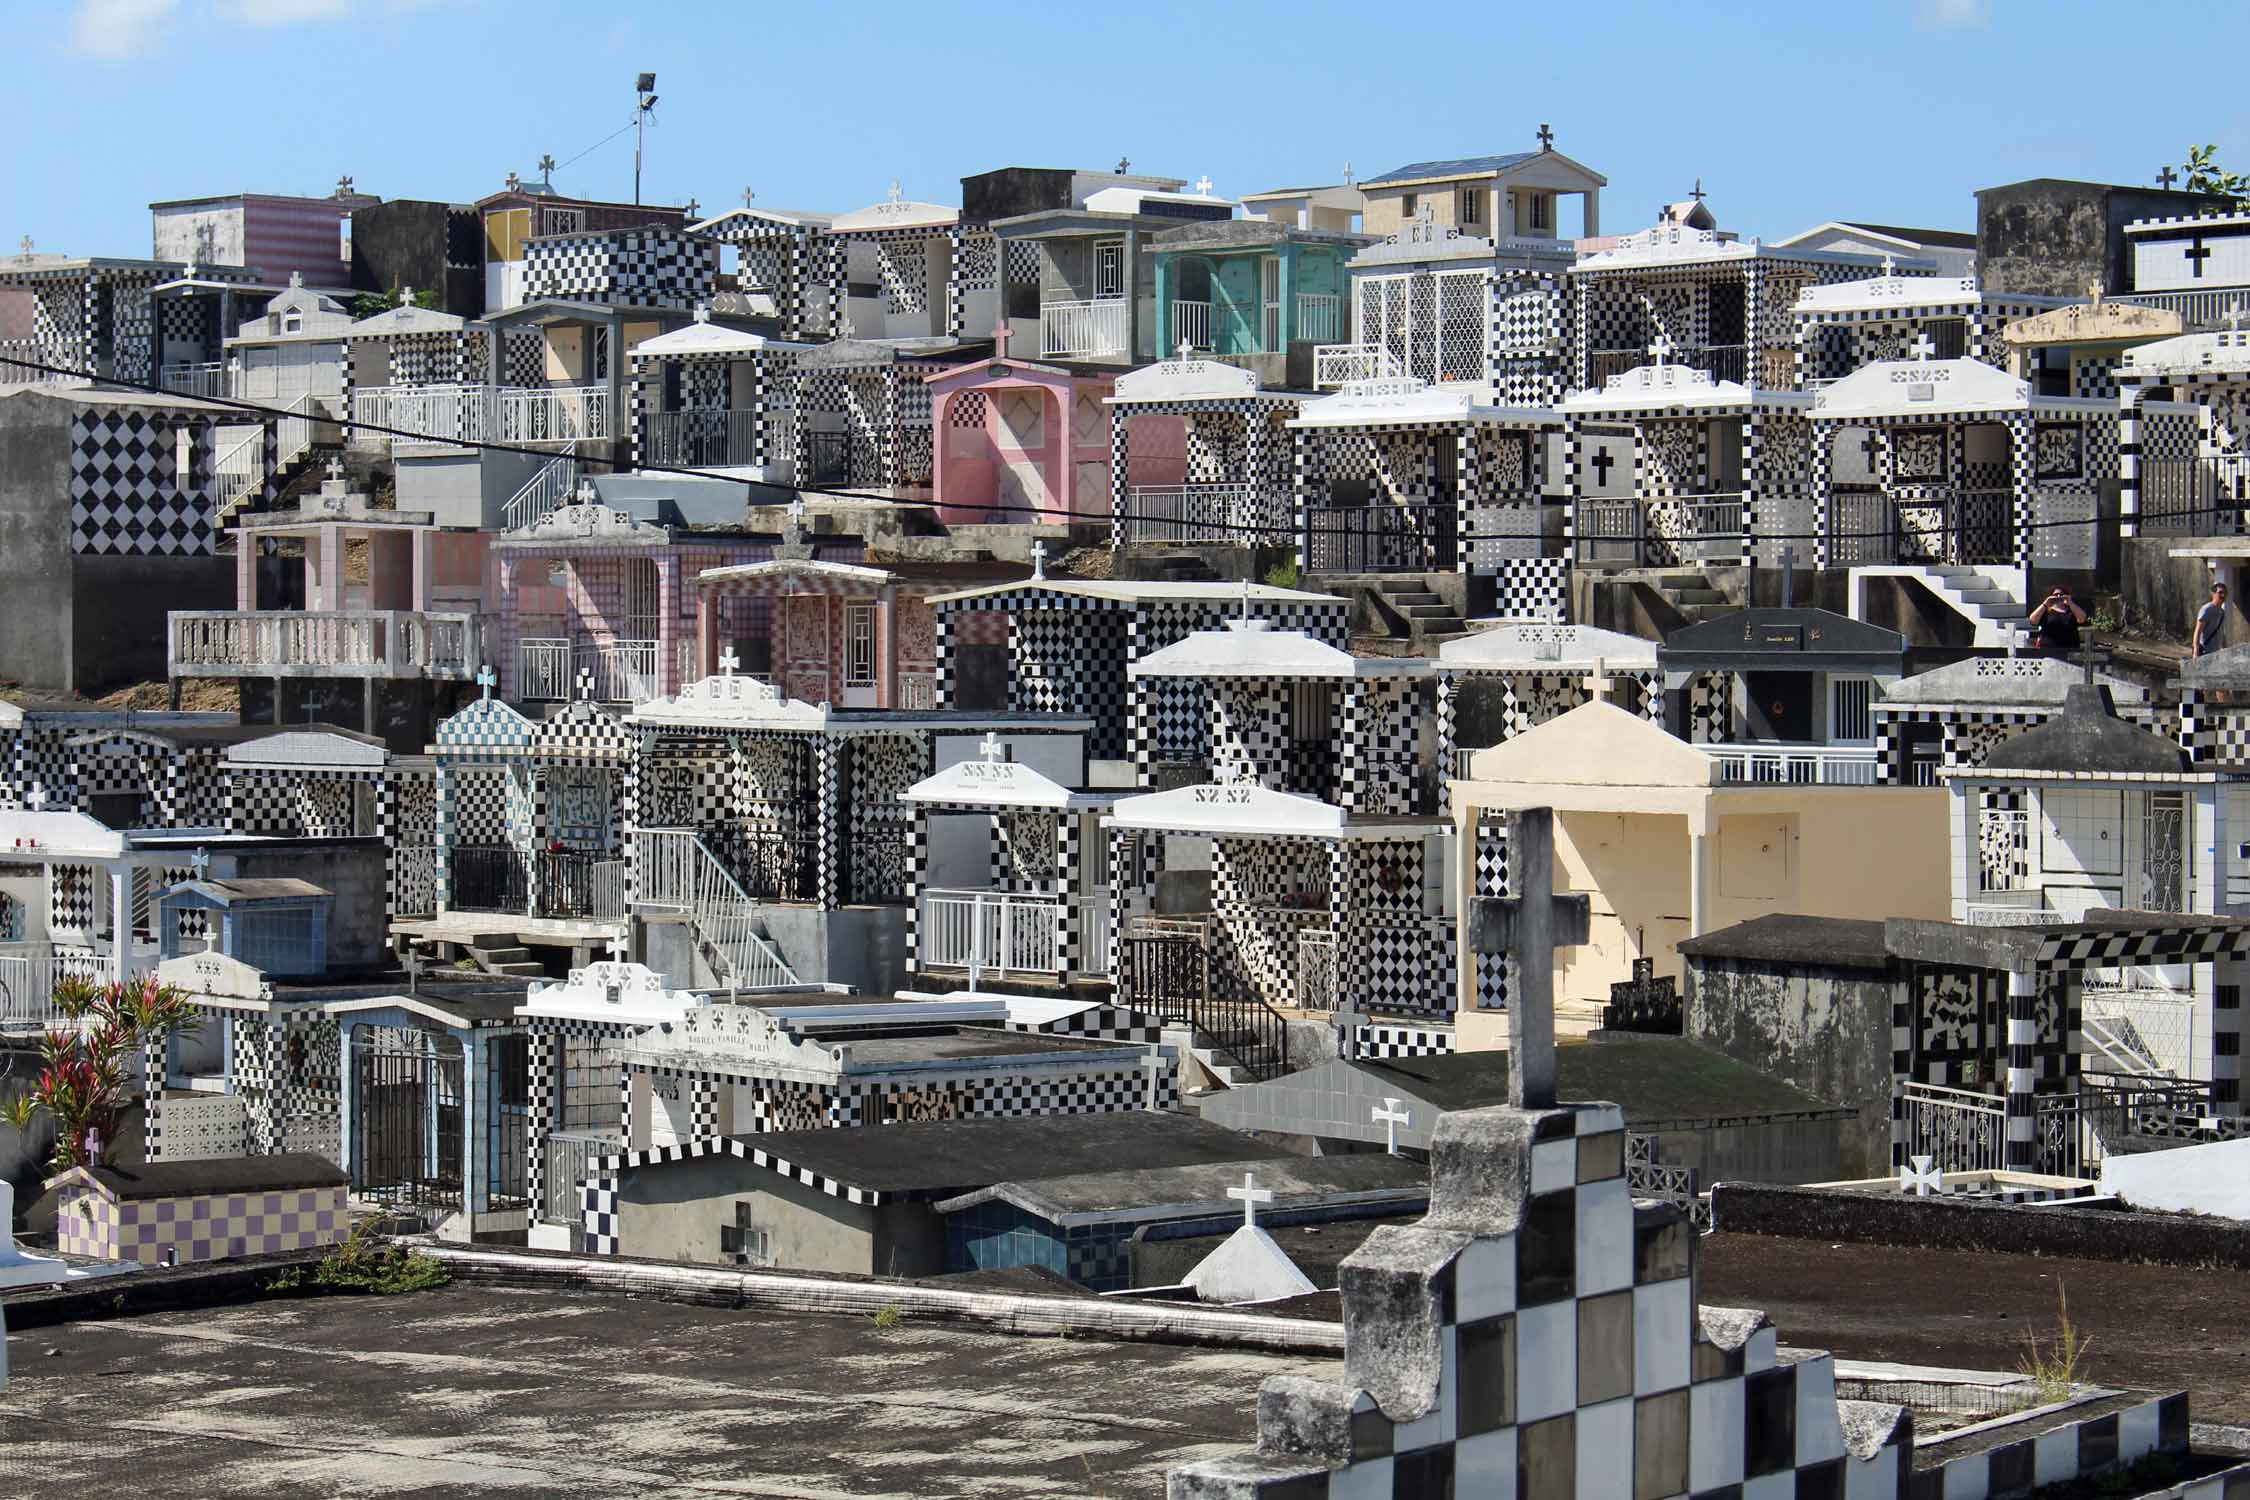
column 504, row 956
column 1427, row 616
column 1690, row 595
column 1990, row 598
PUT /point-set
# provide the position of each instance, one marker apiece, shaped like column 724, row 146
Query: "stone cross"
column 411, row 961
column 1659, row 347
column 990, row 747
column 1530, row 925
column 200, row 863
column 728, row 661
column 1203, row 185
column 896, row 192
column 486, row 677
column 189, row 273
column 1251, row 1196
column 513, row 182
column 702, row 312
column 1039, row 559
column 547, row 167
column 1124, row 165
column 1890, row 266
column 1918, row 1178
column 1187, row 348
column 36, row 798
column 2094, row 291
column 406, row 296
column 747, row 196
column 1245, row 598
column 1697, row 192
column 1152, row 1063
column 1390, row 1117
column 335, row 468
column 694, row 208
column 1001, row 333
column 1546, row 137
column 2166, row 178
column 618, row 948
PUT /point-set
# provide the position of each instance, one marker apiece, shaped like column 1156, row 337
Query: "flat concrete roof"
column 489, row 1392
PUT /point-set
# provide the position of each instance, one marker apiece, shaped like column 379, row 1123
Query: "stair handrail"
column 236, row 476
column 720, row 911
column 545, row 492
column 1230, row 1017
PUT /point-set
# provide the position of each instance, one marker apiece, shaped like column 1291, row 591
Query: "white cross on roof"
column 1153, row 1063
column 1039, row 559
column 1203, row 185
column 1919, row 1177
column 411, row 961
column 1187, row 347
column 335, row 468
column 36, row 798
column 702, row 312
column 1251, row 1195
column 618, row 948
column 990, row 747
column 485, row 679
column 200, row 863
column 728, row 661
column 1390, row 1117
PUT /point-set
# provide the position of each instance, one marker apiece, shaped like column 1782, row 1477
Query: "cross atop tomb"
column 199, row 864
column 36, row 798
column 728, row 661
column 896, row 190
column 1919, row 1179
column 514, row 183
column 25, row 246
column 344, row 186
column 547, row 169
column 405, row 296
column 694, row 208
column 1251, row 1195
column 2166, row 178
column 1039, row 559
column 2094, row 291
column 1153, row 1064
column 618, row 948
column 702, row 312
column 1245, row 599
column 1697, row 192
column 335, row 469
column 1001, row 333
column 1124, row 165
column 990, row 747
column 1203, row 185
column 189, row 273
column 1187, row 347
column 1890, row 266
column 485, row 680
column 1529, row 926
column 1390, row 1117
column 1659, row 348
column 747, row 196
column 1546, row 137
column 411, row 961
column 2234, row 317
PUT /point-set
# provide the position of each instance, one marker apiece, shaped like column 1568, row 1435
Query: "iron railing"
column 699, row 439
column 565, row 883
column 1666, row 531
column 769, row 865
column 1960, row 1130
column 1179, row 976
column 2194, row 496
column 1383, row 538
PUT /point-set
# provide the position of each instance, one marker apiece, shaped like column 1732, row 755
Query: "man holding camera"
column 2055, row 621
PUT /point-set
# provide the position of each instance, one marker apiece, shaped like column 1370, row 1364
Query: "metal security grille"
column 407, row 1105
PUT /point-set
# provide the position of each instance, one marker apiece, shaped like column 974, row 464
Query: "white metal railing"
column 1337, row 365
column 2197, row 310
column 559, row 414
column 27, row 983
column 1797, row 765
column 994, row 930
column 240, row 470
column 2012, row 909
column 1189, row 512
column 674, row 869
column 1092, row 326
column 293, row 434
column 1191, row 324
column 543, row 670
column 364, row 643
column 437, row 415
column 606, row 891
column 1320, row 316
column 206, row 379
column 1962, row 1131
column 546, row 492
column 623, row 671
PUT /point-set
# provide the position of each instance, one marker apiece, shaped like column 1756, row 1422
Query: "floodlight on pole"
column 644, row 89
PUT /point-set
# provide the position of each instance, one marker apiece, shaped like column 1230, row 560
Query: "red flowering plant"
column 84, row 1070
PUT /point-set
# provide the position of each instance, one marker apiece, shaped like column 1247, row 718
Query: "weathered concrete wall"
column 2052, row 237
column 35, row 572
column 2161, row 593
column 1781, row 1150
column 118, row 629
column 350, row 868
column 676, row 1212
column 1954, row 1222
column 1828, row 1031
column 862, row 946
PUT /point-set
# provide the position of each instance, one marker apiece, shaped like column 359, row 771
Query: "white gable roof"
column 1184, row 380
column 1248, row 809
column 1248, row 648
column 1927, row 387
column 998, row 783
column 1548, row 648
column 2226, row 351
column 708, row 338
column 1654, row 387
column 896, row 213
column 732, row 700
column 1406, row 399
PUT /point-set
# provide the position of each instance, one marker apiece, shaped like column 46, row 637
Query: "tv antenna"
column 644, row 88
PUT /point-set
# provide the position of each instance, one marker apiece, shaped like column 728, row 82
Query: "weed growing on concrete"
column 888, row 1318
column 362, row 1263
column 2055, row 1368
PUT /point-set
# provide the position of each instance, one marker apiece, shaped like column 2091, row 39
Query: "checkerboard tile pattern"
column 1543, row 1342
column 90, row 1222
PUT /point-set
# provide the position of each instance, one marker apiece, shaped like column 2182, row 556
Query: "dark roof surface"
column 957, row 1155
column 1458, row 166
column 954, row 1043
column 1775, row 635
column 1651, row 1079
column 270, row 888
column 223, row 1174
column 1203, row 1185
column 2087, row 736
column 1781, row 937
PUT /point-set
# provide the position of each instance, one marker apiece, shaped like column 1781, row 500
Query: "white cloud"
column 1951, row 15
column 115, row 30
column 283, row 12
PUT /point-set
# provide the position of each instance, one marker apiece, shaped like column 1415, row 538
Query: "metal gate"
column 407, row 1106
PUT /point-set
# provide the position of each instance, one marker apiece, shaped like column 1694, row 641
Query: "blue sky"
column 1888, row 110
